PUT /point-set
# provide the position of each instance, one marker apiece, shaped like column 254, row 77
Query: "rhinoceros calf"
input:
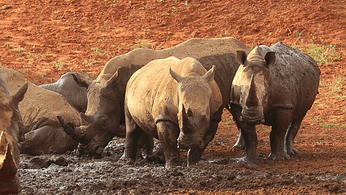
column 42, row 133
column 74, row 94
column 175, row 101
column 105, row 110
column 10, row 125
column 274, row 86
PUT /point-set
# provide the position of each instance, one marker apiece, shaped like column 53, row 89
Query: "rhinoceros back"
column 38, row 103
column 220, row 52
column 295, row 77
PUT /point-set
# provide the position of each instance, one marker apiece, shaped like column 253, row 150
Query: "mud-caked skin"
column 274, row 86
column 74, row 94
column 105, row 110
column 10, row 125
column 42, row 132
column 175, row 101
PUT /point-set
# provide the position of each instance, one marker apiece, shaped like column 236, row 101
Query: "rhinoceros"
column 42, row 133
column 175, row 101
column 274, row 86
column 105, row 110
column 74, row 94
column 10, row 125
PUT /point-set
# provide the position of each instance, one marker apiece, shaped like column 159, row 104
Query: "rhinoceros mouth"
column 257, row 120
column 252, row 116
column 189, row 142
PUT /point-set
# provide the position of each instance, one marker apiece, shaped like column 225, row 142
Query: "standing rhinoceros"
column 74, row 94
column 274, row 86
column 175, row 101
column 42, row 133
column 105, row 111
column 10, row 125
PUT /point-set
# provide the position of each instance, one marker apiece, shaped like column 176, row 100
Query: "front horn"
column 70, row 129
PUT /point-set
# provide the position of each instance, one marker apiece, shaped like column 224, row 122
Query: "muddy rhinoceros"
column 42, row 133
column 10, row 125
column 74, row 94
column 105, row 111
column 175, row 101
column 274, row 86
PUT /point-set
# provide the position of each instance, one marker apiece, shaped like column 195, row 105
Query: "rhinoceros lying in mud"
column 274, row 86
column 74, row 94
column 10, row 125
column 42, row 132
column 105, row 111
column 175, row 101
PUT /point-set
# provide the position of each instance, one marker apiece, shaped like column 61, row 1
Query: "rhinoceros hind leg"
column 145, row 145
column 168, row 134
column 291, row 134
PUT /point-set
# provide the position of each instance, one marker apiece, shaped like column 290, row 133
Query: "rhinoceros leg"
column 168, row 134
column 133, row 131
column 248, row 133
column 291, row 134
column 278, row 133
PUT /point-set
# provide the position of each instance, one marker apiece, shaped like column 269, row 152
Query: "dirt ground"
column 46, row 38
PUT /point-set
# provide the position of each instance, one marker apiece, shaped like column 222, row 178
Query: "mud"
column 73, row 174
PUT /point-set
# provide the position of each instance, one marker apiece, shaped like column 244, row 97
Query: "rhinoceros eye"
column 103, row 121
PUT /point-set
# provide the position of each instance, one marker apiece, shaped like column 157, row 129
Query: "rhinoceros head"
column 103, row 115
column 250, row 87
column 194, row 108
column 10, row 125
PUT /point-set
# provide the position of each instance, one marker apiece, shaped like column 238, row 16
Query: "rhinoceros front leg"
column 133, row 131
column 291, row 134
column 168, row 134
column 194, row 154
column 278, row 133
column 247, row 135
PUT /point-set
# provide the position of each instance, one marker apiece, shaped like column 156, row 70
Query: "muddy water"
column 73, row 174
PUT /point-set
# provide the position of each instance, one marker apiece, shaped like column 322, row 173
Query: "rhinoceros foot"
column 292, row 152
column 278, row 156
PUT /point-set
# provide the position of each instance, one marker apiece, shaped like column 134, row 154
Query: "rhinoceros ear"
column 241, row 57
column 269, row 58
column 82, row 81
column 20, row 94
column 113, row 80
column 175, row 75
column 209, row 76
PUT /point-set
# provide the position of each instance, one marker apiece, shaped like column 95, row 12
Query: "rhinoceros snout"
column 189, row 141
column 252, row 115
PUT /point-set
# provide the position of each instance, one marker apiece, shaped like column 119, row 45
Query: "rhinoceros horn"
column 88, row 119
column 252, row 99
column 70, row 129
column 184, row 120
column 8, row 167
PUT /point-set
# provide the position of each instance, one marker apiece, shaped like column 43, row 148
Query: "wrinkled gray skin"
column 274, row 86
column 105, row 110
column 10, row 126
column 74, row 94
column 175, row 101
